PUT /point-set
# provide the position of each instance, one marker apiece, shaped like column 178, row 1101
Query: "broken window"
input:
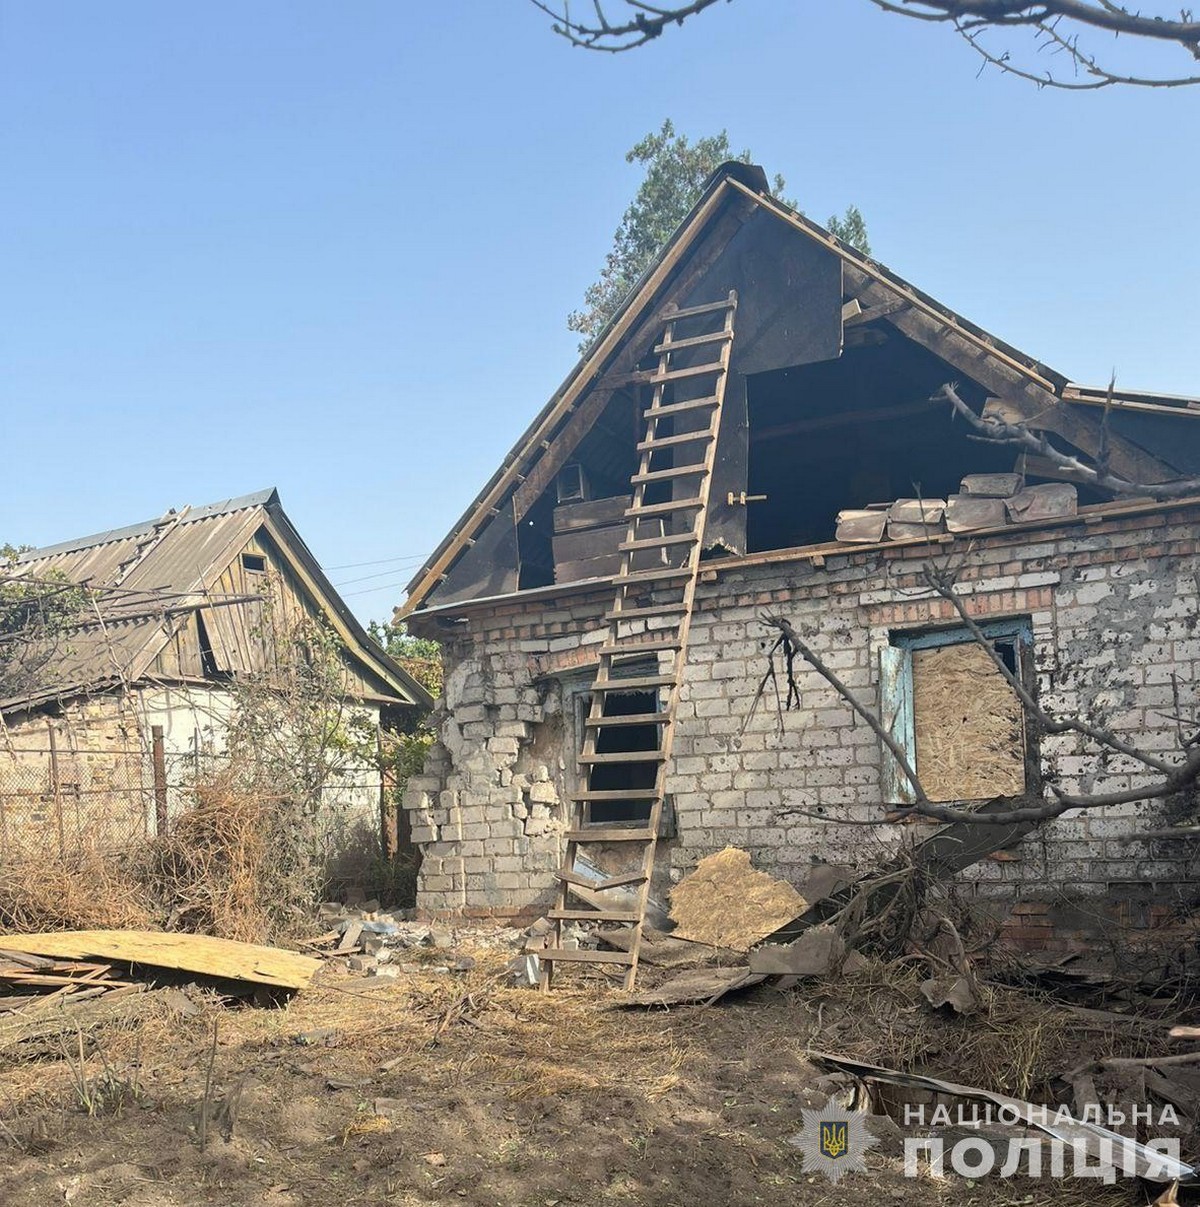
column 956, row 717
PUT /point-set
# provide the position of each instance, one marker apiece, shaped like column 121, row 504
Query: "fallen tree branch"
column 1175, row 777
column 998, row 431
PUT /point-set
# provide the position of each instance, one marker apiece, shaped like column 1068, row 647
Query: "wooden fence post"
column 56, row 785
column 160, row 779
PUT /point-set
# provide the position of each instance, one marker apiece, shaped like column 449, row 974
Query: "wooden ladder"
column 651, row 617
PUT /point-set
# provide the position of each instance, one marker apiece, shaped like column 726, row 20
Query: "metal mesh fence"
column 65, row 801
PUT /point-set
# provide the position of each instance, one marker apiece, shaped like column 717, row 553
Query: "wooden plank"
column 593, row 915
column 633, row 684
column 581, row 955
column 693, row 341
column 200, row 954
column 591, row 513
column 677, row 408
column 611, row 833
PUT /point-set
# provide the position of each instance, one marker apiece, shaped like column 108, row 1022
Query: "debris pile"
column 367, row 939
column 984, row 501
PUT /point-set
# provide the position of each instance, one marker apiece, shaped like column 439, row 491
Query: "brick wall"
column 1112, row 602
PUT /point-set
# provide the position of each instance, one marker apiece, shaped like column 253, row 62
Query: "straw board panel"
column 968, row 725
column 727, row 903
column 199, row 954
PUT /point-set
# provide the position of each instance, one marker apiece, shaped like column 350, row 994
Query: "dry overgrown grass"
column 1015, row 1043
column 88, row 891
column 227, row 866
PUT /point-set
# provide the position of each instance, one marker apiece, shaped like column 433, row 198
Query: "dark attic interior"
column 814, row 441
column 854, row 432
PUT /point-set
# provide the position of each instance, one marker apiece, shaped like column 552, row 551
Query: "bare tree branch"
column 1056, row 26
column 1000, row 432
column 1175, row 777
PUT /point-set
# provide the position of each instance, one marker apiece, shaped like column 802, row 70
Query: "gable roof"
column 738, row 184
column 150, row 573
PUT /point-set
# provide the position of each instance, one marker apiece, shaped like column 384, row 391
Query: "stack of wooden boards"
column 80, row 960
column 32, row 981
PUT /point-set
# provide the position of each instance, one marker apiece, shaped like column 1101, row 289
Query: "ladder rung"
column 573, row 955
column 665, row 475
column 640, row 718
column 633, row 684
column 666, row 609
column 654, row 509
column 658, row 574
column 674, row 441
column 601, row 886
column 658, row 542
column 593, row 915
column 693, row 341
column 624, row 756
column 707, row 308
column 633, row 649
column 609, row 834
column 675, row 408
column 658, row 379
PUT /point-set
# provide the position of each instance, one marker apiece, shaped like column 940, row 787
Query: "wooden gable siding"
column 233, row 631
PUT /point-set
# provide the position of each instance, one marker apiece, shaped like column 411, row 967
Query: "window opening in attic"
column 255, row 563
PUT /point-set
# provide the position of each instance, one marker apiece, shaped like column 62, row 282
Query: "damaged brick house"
column 756, row 430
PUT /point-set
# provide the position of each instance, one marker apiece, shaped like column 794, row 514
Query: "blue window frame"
column 896, row 688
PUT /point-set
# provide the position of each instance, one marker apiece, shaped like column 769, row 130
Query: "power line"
column 396, row 586
column 349, row 582
column 383, row 561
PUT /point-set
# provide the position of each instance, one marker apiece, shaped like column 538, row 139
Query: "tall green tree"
column 676, row 170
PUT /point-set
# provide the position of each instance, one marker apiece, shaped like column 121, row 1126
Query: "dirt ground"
column 369, row 1091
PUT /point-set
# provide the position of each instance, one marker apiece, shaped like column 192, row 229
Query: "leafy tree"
column 675, row 173
column 420, row 656
column 35, row 612
column 850, row 228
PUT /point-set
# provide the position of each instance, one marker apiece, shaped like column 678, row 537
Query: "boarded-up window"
column 957, row 718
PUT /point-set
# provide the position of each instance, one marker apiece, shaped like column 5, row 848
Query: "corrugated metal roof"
column 146, row 573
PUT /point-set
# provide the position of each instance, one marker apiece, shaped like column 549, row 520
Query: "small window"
column 955, row 715
column 255, row 563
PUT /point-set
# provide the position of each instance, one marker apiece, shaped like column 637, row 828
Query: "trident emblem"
column 833, row 1141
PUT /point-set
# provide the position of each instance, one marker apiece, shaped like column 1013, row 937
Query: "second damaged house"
column 764, row 427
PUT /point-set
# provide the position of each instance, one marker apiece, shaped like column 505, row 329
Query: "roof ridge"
column 184, row 515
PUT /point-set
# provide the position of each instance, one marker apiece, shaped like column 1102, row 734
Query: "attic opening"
column 851, row 433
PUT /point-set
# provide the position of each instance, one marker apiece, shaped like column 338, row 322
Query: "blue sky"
column 331, row 248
